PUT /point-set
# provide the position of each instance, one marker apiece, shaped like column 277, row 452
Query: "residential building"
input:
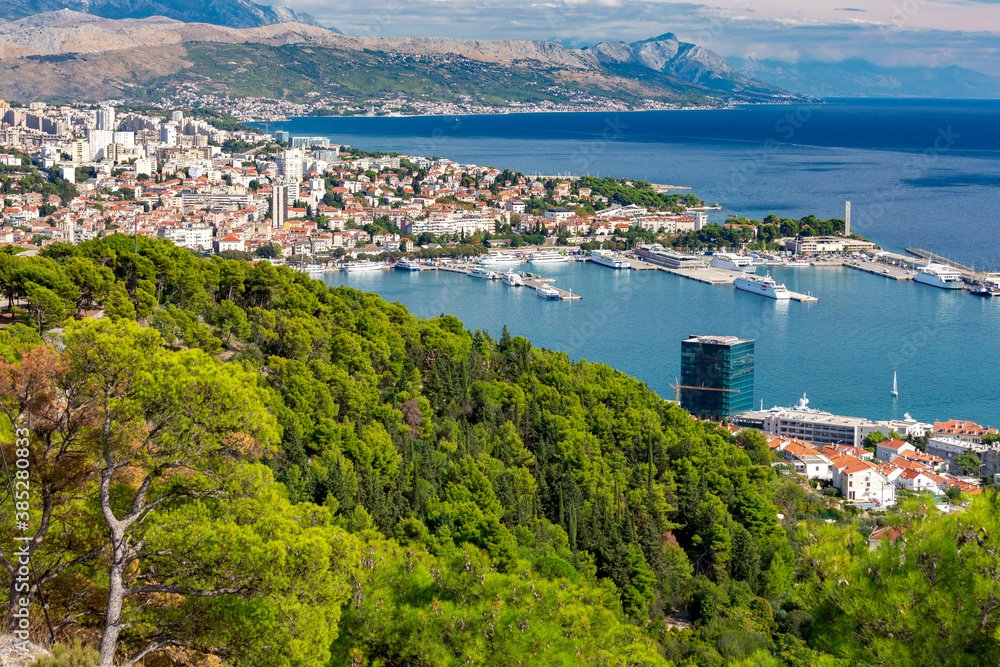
column 106, row 118
column 906, row 426
column 279, row 205
column 884, row 534
column 861, row 481
column 291, row 165
column 949, row 448
column 230, row 242
column 918, row 480
column 962, row 430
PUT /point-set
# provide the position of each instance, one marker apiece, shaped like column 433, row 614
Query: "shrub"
column 553, row 567
column 74, row 654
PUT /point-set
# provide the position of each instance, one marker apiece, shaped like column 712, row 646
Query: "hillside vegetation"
column 239, row 461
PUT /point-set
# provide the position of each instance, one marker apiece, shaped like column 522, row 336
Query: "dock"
column 938, row 259
column 969, row 274
column 893, row 272
column 639, row 265
column 532, row 282
column 454, row 268
column 713, row 276
column 706, row 275
column 565, row 295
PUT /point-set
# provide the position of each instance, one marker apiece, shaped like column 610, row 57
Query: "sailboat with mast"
column 895, row 392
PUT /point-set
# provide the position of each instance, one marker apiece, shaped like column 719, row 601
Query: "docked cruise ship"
column 500, row 259
column 357, row 267
column 609, row 259
column 939, row 275
column 407, row 265
column 480, row 272
column 764, row 286
column 732, row 263
column 546, row 257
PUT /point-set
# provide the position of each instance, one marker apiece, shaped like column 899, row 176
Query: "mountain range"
column 860, row 78
column 72, row 55
column 230, row 13
column 143, row 49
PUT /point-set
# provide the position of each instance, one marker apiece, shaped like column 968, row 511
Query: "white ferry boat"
column 500, row 259
column 512, row 279
column 733, row 263
column 546, row 257
column 764, row 286
column 939, row 275
column 546, row 292
column 480, row 272
column 609, row 259
column 358, row 267
column 310, row 268
column 407, row 265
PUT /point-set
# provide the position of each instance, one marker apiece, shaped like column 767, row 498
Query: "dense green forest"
column 238, row 463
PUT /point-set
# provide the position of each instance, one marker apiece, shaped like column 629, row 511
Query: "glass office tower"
column 716, row 376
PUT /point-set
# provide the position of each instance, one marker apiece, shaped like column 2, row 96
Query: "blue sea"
column 920, row 174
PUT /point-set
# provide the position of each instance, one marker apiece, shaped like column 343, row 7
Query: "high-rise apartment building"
column 279, row 205
column 106, row 118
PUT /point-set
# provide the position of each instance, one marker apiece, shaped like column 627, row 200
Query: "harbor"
column 629, row 319
column 746, row 273
column 529, row 280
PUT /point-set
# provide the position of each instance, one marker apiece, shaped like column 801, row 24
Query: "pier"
column 893, row 272
column 938, row 259
column 713, row 276
column 703, row 274
column 706, row 275
column 533, row 282
column 536, row 282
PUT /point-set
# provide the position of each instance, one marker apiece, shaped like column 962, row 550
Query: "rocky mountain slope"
column 232, row 13
column 70, row 53
column 859, row 78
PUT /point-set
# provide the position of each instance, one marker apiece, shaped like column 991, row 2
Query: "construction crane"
column 677, row 390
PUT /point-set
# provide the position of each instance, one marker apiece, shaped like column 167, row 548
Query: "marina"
column 708, row 269
column 629, row 318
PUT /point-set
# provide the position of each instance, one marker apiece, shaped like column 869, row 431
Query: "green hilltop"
column 238, row 461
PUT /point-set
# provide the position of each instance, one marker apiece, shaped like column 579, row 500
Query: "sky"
column 886, row 32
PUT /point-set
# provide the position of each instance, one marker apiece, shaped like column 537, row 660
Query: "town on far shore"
column 204, row 181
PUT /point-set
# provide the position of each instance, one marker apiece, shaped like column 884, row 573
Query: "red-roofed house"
column 862, row 481
column 884, row 534
column 916, row 480
column 230, row 242
column 962, row 430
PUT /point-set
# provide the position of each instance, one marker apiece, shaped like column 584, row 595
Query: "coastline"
column 727, row 107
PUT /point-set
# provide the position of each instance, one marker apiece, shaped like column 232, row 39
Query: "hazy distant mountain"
column 232, row 13
column 688, row 62
column 79, row 56
column 859, row 78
